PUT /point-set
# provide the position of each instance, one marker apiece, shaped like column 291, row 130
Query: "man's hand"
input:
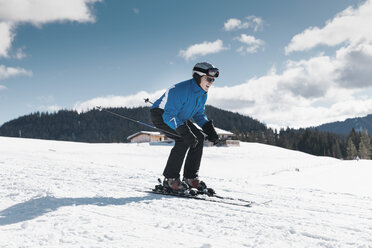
column 188, row 137
column 209, row 130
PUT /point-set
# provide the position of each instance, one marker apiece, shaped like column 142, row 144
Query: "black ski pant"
column 178, row 152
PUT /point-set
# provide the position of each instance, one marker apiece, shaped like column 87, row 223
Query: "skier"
column 172, row 112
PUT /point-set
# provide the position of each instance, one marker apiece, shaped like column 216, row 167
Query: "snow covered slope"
column 64, row 194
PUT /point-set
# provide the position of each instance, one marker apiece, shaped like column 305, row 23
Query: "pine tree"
column 355, row 137
column 351, row 151
column 364, row 151
column 336, row 150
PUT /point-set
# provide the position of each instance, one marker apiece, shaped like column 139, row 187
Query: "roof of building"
column 143, row 132
column 218, row 130
column 221, row 131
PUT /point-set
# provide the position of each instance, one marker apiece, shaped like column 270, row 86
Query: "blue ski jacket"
column 183, row 101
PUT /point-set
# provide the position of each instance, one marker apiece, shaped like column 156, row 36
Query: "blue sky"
column 286, row 63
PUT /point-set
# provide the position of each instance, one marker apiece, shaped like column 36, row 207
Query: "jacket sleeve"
column 172, row 104
column 200, row 118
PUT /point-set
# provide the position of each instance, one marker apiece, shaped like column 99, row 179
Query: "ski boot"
column 175, row 185
column 199, row 186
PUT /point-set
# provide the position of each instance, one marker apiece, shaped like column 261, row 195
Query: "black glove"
column 209, row 130
column 187, row 136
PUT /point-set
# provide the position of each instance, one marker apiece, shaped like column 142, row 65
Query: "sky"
column 286, row 63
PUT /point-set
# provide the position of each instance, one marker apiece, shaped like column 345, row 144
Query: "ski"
column 208, row 194
column 206, row 198
column 231, row 198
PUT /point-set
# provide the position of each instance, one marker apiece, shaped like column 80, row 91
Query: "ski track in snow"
column 64, row 194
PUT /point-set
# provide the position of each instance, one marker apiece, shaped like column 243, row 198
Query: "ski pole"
column 139, row 122
column 148, row 100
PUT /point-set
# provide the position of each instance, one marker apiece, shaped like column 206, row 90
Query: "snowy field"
column 64, row 194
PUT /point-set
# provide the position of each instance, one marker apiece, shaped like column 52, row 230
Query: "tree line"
column 311, row 140
column 93, row 126
column 98, row 126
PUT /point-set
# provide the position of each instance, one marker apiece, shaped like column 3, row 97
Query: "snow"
column 65, row 194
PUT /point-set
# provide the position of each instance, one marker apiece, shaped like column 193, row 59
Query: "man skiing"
column 172, row 113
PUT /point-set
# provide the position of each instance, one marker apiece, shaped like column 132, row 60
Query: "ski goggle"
column 212, row 72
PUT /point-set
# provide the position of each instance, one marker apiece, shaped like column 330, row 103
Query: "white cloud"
column 251, row 22
column 282, row 100
column 2, row 87
column 49, row 108
column 7, row 72
column 351, row 26
column 266, row 98
column 6, row 38
column 234, row 24
column 257, row 22
column 309, row 79
column 53, row 108
column 349, row 69
column 354, row 66
column 39, row 12
column 202, row 49
column 20, row 54
column 321, row 89
column 251, row 43
column 306, row 93
column 136, row 100
column 351, row 63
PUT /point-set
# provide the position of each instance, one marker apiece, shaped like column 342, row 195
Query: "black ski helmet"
column 204, row 69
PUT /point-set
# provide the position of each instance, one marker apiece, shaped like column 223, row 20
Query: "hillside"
column 68, row 194
column 98, row 126
column 344, row 127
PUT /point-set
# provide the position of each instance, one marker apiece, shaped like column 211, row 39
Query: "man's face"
column 204, row 84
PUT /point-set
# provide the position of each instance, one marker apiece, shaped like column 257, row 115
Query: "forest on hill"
column 96, row 126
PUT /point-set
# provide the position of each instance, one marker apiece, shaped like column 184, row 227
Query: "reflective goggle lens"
column 213, row 72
